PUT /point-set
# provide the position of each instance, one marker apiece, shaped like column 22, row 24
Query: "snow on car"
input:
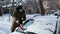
column 43, row 25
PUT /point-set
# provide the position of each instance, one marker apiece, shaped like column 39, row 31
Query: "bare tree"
column 12, row 6
column 41, row 7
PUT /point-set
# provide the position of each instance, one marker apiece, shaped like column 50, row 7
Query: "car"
column 57, row 13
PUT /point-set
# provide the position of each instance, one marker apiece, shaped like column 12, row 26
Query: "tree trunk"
column 42, row 8
column 12, row 7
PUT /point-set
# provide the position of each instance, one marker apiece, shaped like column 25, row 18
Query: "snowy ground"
column 40, row 25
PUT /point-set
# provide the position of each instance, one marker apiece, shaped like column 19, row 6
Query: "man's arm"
column 24, row 16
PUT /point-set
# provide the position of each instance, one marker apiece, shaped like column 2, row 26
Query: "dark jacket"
column 19, row 15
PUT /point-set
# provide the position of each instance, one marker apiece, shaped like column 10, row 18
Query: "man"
column 18, row 18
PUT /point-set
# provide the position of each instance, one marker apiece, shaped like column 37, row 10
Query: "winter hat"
column 19, row 7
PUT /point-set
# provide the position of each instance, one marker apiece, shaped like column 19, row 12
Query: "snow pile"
column 5, row 24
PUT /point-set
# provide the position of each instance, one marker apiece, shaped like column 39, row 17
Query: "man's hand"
column 23, row 19
column 17, row 21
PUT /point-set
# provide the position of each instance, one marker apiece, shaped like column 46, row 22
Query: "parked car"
column 57, row 13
